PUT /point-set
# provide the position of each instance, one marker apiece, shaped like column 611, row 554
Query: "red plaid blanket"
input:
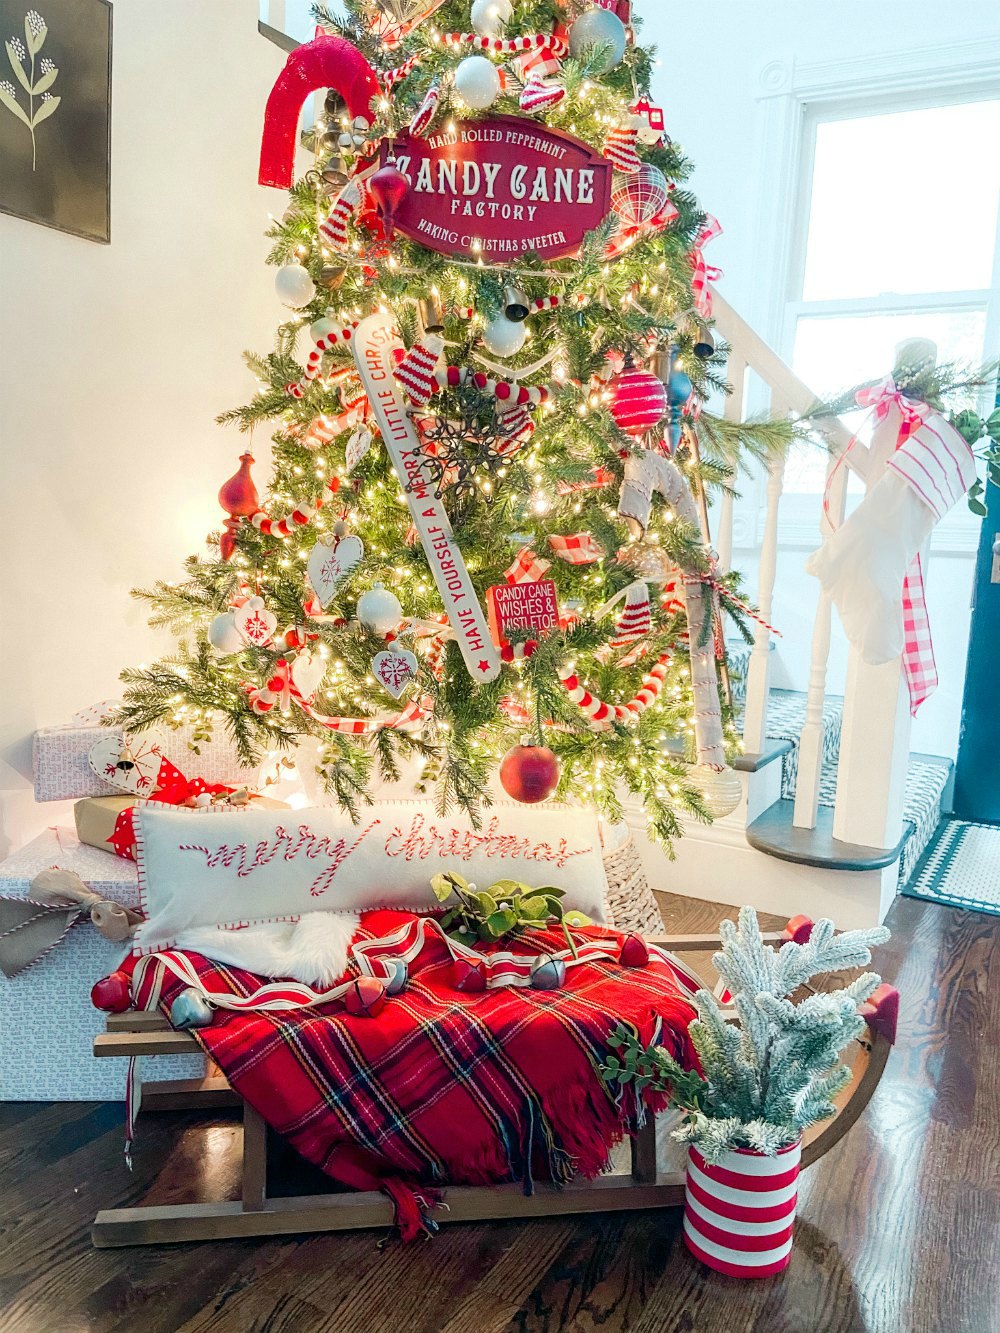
column 444, row 1086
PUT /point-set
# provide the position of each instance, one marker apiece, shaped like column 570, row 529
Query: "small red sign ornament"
column 496, row 189
column 522, row 606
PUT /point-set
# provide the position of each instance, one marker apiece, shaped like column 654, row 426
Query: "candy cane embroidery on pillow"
column 462, row 844
column 288, row 847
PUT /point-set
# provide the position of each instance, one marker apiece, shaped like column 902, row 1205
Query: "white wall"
column 114, row 362
column 708, row 82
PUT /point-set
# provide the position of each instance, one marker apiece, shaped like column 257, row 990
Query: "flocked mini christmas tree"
column 483, row 544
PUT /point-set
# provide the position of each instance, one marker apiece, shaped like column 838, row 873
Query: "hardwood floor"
column 898, row 1230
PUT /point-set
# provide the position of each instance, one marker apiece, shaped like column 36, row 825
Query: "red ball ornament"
column 639, row 401
column 529, row 773
column 389, row 186
column 238, row 497
column 113, row 994
column 365, row 998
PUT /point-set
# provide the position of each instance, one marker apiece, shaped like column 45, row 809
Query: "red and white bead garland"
column 299, row 517
column 602, row 715
column 508, row 45
column 326, row 334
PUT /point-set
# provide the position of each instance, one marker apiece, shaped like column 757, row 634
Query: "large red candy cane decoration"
column 325, row 62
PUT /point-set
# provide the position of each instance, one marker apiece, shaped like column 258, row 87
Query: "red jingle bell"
column 112, row 994
column 634, row 952
column 238, row 497
column 389, row 187
column 468, row 976
column 365, row 998
column 529, row 773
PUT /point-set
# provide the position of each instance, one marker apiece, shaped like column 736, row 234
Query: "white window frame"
column 794, row 97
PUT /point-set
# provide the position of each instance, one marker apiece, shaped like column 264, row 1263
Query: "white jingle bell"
column 504, row 337
column 548, row 973
column 490, row 16
column 721, row 792
column 223, row 634
column 379, row 610
column 477, row 82
column 400, row 976
column 294, row 286
column 598, row 28
column 191, row 1010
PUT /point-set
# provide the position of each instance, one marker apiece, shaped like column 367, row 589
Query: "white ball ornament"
column 490, row 16
column 504, row 337
column 477, row 82
column 294, row 286
column 379, row 610
column 598, row 28
column 721, row 792
column 223, row 634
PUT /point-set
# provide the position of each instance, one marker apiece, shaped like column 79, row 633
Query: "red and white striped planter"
column 739, row 1215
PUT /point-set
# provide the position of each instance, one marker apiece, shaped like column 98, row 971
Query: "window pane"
column 871, row 232
column 832, row 354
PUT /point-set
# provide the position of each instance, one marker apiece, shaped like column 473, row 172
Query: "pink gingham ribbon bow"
column 881, row 397
column 704, row 274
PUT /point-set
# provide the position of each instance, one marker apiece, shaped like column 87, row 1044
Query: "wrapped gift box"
column 96, row 816
column 48, row 1022
column 62, row 771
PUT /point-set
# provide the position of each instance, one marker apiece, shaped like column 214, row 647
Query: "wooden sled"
column 646, row 1177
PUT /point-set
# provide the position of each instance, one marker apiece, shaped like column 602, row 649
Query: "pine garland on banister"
column 621, row 322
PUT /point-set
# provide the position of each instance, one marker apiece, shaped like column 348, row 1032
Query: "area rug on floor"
column 962, row 868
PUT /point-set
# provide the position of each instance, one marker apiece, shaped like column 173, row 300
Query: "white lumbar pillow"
column 219, row 874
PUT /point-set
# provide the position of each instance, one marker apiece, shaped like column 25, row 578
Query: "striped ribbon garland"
column 739, row 1215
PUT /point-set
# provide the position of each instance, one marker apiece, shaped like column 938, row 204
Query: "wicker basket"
column 631, row 904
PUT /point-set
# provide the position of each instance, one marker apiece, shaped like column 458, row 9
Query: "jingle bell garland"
column 553, row 491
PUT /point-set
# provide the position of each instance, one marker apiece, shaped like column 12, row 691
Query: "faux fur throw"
column 312, row 950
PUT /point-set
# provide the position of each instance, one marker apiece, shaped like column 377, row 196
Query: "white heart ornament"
column 328, row 565
column 308, row 670
column 131, row 768
column 357, row 446
column 255, row 622
column 395, row 669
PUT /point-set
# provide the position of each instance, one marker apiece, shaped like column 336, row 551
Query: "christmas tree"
column 483, row 546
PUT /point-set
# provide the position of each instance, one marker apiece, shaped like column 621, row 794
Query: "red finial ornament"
column 238, row 497
column 389, row 187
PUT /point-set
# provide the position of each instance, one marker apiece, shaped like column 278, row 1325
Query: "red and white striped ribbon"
column 527, row 567
column 600, row 478
column 397, row 75
column 576, row 548
column 326, row 334
column 704, row 274
column 323, row 428
column 299, row 517
column 739, row 1215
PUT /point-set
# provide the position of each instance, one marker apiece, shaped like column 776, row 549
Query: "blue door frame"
column 977, row 770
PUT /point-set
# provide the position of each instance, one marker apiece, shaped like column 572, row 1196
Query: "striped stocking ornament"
column 334, row 230
column 619, row 149
column 416, row 371
column 636, row 620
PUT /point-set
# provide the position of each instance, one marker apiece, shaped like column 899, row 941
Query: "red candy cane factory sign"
column 498, row 188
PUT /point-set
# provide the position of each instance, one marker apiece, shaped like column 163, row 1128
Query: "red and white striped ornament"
column 537, row 95
column 323, row 428
column 416, row 371
column 426, row 111
column 334, row 230
column 639, row 401
column 739, row 1214
column 619, row 149
column 636, row 618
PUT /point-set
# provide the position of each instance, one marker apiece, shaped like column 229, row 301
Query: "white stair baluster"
column 810, row 768
column 732, row 411
column 758, row 671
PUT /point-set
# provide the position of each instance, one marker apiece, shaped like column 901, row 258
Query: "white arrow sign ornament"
column 374, row 345
column 328, row 565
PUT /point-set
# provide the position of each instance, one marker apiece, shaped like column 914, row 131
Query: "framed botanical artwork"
column 55, row 114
